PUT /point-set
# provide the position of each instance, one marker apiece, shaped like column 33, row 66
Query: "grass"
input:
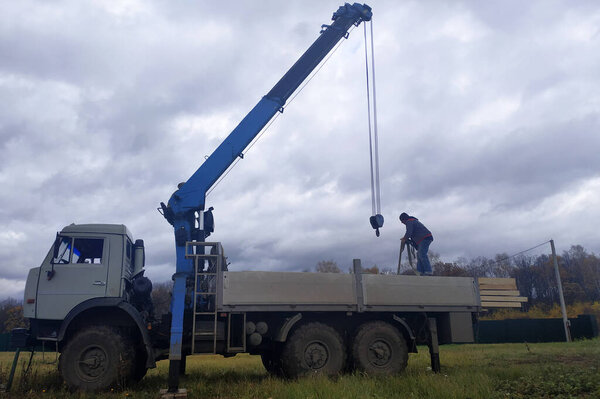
column 546, row 370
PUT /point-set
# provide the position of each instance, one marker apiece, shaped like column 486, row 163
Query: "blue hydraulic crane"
column 188, row 201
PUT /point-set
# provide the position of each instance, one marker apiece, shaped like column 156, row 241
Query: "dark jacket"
column 416, row 231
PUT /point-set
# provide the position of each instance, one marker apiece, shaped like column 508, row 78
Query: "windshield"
column 64, row 251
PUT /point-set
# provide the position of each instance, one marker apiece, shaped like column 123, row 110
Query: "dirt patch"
column 579, row 360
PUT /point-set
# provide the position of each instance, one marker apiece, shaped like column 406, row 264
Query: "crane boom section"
column 191, row 196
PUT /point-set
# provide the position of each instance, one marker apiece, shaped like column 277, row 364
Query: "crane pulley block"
column 376, row 223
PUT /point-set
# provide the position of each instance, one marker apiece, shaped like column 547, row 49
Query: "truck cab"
column 86, row 261
column 90, row 298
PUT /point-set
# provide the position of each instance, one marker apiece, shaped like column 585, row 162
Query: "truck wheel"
column 96, row 358
column 379, row 349
column 314, row 348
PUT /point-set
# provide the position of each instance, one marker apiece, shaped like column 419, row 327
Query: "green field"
column 549, row 370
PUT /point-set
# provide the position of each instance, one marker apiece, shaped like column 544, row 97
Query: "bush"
column 545, row 312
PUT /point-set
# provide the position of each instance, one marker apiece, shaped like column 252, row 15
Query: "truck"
column 90, row 298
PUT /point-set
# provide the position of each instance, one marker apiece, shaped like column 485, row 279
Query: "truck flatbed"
column 356, row 292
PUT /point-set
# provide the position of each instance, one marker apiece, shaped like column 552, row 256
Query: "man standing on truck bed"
column 422, row 238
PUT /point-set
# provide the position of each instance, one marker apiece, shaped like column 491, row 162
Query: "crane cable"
column 376, row 219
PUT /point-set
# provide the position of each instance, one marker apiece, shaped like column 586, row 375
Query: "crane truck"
column 90, row 298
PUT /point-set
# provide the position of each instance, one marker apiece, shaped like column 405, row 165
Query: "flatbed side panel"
column 419, row 291
column 267, row 307
column 288, row 288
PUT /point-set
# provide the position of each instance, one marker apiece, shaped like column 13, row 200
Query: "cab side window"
column 87, row 250
column 79, row 250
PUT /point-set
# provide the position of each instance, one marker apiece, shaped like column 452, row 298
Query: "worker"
column 422, row 238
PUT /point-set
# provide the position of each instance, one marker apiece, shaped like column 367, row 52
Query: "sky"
column 488, row 121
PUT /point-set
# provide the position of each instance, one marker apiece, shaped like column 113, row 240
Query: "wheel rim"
column 316, row 355
column 92, row 363
column 379, row 353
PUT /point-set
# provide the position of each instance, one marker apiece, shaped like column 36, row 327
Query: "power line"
column 519, row 253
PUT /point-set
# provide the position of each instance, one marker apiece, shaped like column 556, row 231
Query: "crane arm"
column 191, row 196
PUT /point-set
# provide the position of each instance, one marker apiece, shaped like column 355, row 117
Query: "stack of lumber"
column 499, row 293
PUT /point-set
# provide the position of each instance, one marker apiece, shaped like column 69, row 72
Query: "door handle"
column 98, row 282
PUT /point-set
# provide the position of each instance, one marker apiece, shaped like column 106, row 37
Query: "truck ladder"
column 208, row 267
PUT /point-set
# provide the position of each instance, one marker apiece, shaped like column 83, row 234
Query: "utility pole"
column 560, row 294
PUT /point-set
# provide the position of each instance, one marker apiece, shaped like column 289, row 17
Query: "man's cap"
column 403, row 216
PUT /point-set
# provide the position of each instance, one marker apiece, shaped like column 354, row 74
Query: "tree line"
column 534, row 274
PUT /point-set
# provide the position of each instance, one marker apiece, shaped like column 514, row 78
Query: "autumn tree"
column 371, row 270
column 6, row 307
column 161, row 297
column 449, row 269
column 15, row 319
column 327, row 266
column 583, row 269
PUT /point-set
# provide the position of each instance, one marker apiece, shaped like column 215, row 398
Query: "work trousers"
column 423, row 265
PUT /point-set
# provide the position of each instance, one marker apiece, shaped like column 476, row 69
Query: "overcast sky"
column 489, row 116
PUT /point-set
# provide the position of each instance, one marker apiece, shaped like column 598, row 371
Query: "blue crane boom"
column 190, row 198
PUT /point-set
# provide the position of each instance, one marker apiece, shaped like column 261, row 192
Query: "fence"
column 5, row 345
column 534, row 330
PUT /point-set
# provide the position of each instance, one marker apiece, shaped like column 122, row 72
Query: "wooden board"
column 501, row 304
column 498, row 287
column 495, row 298
column 495, row 281
column 499, row 292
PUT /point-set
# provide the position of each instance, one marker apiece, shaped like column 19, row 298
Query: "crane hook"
column 376, row 222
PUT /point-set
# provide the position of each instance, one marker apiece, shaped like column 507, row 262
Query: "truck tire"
column 97, row 358
column 314, row 348
column 379, row 348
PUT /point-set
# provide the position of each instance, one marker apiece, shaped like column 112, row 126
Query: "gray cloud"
column 488, row 120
